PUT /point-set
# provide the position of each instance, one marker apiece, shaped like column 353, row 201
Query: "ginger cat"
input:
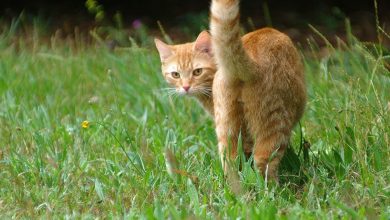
column 190, row 68
column 258, row 86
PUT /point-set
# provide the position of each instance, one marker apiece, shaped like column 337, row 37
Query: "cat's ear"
column 203, row 43
column 164, row 49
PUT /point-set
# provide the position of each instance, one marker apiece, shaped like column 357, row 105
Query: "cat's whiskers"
column 203, row 86
column 169, row 91
column 204, row 90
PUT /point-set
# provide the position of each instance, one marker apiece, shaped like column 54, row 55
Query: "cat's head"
column 188, row 68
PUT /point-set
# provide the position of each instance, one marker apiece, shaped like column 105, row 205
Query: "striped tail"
column 228, row 50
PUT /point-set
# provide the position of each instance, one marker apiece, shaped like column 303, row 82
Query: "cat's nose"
column 186, row 88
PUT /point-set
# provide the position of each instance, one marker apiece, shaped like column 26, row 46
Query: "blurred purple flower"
column 137, row 23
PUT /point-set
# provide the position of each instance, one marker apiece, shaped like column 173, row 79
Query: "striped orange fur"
column 185, row 60
column 257, row 81
column 258, row 90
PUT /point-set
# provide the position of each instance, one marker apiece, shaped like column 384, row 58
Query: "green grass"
column 50, row 167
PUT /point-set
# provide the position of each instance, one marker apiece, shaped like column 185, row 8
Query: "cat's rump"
column 258, row 90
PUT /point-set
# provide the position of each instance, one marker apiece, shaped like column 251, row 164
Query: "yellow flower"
column 85, row 124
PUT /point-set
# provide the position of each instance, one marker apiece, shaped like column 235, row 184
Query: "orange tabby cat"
column 258, row 88
column 190, row 68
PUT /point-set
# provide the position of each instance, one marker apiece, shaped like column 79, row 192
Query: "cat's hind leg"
column 267, row 154
column 229, row 117
column 270, row 128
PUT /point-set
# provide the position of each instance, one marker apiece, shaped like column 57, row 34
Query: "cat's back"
column 279, row 68
column 265, row 38
column 262, row 35
column 266, row 44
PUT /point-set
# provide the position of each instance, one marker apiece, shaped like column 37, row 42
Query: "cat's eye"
column 175, row 75
column 197, row 72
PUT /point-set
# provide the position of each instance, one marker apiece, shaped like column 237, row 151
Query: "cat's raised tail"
column 229, row 52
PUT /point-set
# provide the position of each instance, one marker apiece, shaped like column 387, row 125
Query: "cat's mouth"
column 182, row 91
column 194, row 91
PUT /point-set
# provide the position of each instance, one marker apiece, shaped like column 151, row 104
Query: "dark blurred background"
column 328, row 16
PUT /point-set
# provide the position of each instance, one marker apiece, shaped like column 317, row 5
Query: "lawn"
column 145, row 154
